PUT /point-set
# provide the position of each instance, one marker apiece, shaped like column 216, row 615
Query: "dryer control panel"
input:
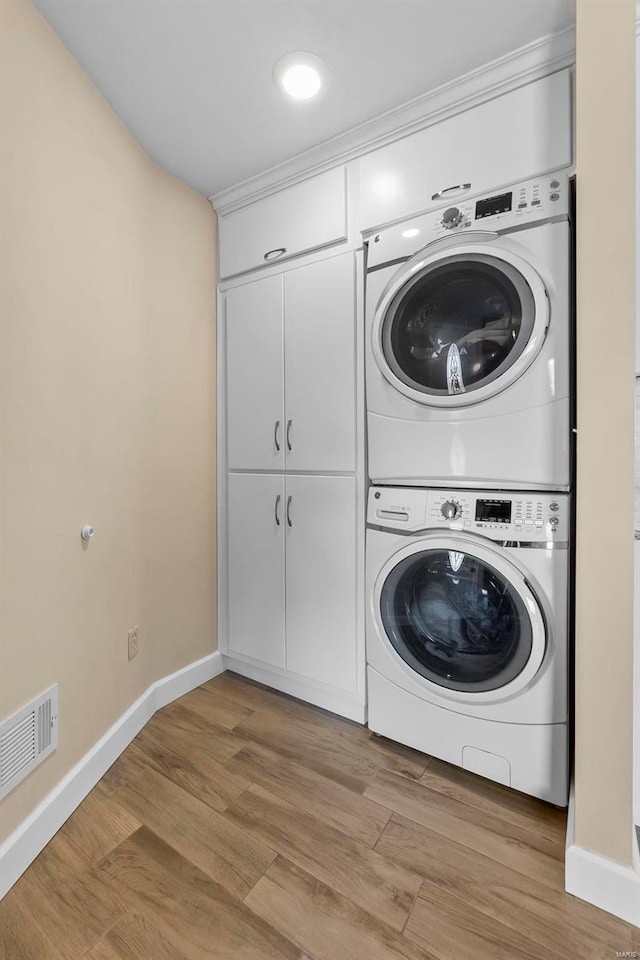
column 520, row 517
column 520, row 205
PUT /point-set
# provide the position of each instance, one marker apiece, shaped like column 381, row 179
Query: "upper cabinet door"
column 304, row 217
column 255, row 375
column 320, row 366
column 512, row 137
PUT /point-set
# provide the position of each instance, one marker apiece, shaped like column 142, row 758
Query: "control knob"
column 450, row 510
column 452, row 217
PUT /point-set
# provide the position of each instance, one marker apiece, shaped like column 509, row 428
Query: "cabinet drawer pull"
column 275, row 435
column 289, row 499
column 289, row 422
column 458, row 188
column 275, row 253
column 275, row 509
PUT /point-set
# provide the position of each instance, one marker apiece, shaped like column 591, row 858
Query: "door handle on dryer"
column 275, row 435
column 289, row 499
column 275, row 510
column 456, row 189
column 289, row 422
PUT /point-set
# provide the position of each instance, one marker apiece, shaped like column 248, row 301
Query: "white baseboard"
column 35, row 831
column 346, row 705
column 606, row 884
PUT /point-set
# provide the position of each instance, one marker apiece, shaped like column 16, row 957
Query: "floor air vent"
column 27, row 738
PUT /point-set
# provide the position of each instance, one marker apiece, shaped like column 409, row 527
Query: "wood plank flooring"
column 244, row 825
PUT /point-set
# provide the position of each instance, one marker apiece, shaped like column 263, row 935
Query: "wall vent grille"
column 27, row 738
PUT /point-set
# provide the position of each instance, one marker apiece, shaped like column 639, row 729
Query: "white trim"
column 37, row 829
column 349, row 705
column 531, row 62
column 606, row 884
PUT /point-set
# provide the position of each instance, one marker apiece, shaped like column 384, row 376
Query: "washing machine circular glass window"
column 458, row 325
column 456, row 620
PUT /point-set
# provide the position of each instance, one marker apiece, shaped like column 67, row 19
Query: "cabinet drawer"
column 306, row 216
column 512, row 137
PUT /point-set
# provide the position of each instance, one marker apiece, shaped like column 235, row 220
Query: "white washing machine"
column 467, row 630
column 468, row 343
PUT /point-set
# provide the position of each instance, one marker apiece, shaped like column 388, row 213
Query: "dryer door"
column 458, row 324
column 463, row 617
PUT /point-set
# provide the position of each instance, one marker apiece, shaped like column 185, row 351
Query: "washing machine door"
column 462, row 617
column 459, row 323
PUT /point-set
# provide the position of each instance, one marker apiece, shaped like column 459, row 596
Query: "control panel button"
column 554, row 184
column 554, row 521
column 554, row 196
column 554, row 507
column 450, row 510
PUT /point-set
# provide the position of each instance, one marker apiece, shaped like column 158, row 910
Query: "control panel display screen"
column 493, row 205
column 493, row 511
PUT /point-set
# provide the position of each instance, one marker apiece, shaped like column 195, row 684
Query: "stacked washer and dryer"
column 468, row 374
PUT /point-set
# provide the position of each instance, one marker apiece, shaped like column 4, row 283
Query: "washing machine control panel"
column 519, row 205
column 519, row 517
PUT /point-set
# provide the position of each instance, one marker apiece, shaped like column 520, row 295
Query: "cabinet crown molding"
column 524, row 65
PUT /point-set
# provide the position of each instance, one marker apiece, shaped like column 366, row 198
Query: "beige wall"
column 605, row 118
column 107, row 394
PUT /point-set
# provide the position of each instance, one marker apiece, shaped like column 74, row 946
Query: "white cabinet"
column 255, row 376
column 291, row 369
column 321, row 579
column 290, row 541
column 297, row 531
column 304, row 217
column 320, row 365
column 256, row 578
column 514, row 136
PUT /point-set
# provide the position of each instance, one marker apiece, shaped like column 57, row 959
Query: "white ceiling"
column 192, row 78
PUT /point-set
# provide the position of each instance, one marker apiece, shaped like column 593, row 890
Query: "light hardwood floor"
column 241, row 824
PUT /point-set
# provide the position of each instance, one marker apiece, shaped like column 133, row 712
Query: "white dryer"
column 468, row 343
column 467, row 630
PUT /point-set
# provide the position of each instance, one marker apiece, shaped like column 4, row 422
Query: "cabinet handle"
column 289, row 499
column 275, row 435
column 289, row 422
column 458, row 188
column 275, row 253
column 275, row 510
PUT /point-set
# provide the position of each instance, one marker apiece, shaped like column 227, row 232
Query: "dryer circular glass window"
column 456, row 620
column 458, row 325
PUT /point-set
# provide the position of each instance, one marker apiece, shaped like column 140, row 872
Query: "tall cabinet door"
column 321, row 583
column 256, row 580
column 255, row 376
column 320, row 366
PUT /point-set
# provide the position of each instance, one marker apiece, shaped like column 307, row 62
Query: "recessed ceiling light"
column 301, row 75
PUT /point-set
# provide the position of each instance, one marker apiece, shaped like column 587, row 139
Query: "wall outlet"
column 132, row 637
